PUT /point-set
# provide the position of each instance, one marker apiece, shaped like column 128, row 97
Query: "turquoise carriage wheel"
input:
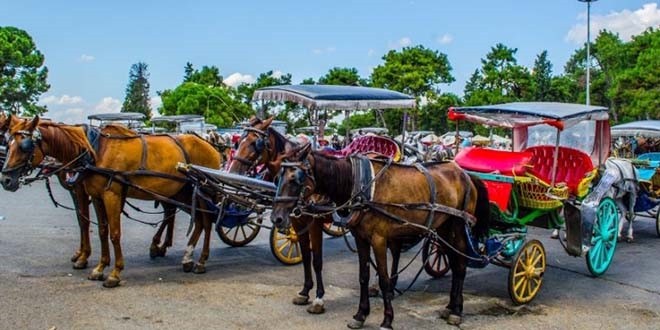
column 657, row 222
column 604, row 237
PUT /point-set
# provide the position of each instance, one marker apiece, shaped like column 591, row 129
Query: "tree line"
column 623, row 77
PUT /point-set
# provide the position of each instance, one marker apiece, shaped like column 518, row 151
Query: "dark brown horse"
column 81, row 203
column 135, row 166
column 260, row 145
column 394, row 203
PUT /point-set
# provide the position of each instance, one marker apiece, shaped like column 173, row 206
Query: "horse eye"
column 259, row 145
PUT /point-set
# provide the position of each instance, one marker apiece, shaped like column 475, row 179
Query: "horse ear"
column 34, row 123
column 267, row 122
column 304, row 151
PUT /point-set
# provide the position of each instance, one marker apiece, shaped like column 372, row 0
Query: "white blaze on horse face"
column 188, row 254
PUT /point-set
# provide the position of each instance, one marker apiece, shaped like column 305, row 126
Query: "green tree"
column 499, row 80
column 343, row 76
column 22, row 73
column 416, row 71
column 542, row 78
column 218, row 105
column 137, row 92
column 209, row 75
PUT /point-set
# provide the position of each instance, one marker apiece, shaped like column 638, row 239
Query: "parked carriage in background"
column 639, row 141
column 543, row 182
column 132, row 120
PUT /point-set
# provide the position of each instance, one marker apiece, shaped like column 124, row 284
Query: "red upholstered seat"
column 488, row 160
column 573, row 165
column 369, row 143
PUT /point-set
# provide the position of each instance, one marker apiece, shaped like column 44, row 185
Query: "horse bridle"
column 32, row 140
column 302, row 174
column 259, row 146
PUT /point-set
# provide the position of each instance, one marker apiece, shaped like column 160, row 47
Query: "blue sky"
column 90, row 45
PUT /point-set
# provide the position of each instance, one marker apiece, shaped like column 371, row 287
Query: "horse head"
column 22, row 152
column 295, row 183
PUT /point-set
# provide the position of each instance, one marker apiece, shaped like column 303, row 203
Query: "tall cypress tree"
column 137, row 91
column 542, row 78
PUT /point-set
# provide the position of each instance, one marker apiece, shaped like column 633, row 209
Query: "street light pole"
column 588, row 43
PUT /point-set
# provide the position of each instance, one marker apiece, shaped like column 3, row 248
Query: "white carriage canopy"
column 588, row 125
column 646, row 128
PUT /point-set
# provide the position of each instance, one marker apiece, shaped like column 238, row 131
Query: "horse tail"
column 482, row 211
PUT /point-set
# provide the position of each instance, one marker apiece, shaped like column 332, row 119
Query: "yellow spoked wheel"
column 526, row 273
column 333, row 230
column 285, row 246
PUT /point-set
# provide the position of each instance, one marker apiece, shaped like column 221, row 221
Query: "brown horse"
column 260, row 145
column 394, row 203
column 81, row 203
column 136, row 166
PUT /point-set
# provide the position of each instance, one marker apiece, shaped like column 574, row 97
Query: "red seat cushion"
column 488, row 160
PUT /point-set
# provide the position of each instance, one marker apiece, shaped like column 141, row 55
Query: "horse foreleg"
column 104, row 261
column 200, row 267
column 454, row 311
column 395, row 248
column 156, row 249
column 306, row 253
column 630, row 215
column 379, row 245
column 316, row 238
column 113, row 206
column 364, row 250
column 81, row 205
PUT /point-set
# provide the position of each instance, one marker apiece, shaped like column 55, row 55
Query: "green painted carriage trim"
column 492, row 177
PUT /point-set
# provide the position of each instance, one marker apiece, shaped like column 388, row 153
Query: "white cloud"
column 86, row 58
column 74, row 110
column 626, row 23
column 277, row 74
column 238, row 78
column 64, row 99
column 319, row 51
column 445, row 39
column 403, row 42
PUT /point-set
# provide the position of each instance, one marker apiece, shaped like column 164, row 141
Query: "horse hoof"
column 454, row 319
column 385, row 328
column 80, row 264
column 444, row 314
column 153, row 252
column 161, row 252
column 374, row 292
column 300, row 300
column 199, row 269
column 355, row 324
column 317, row 307
column 75, row 257
column 188, row 267
column 111, row 282
column 96, row 276
column 629, row 240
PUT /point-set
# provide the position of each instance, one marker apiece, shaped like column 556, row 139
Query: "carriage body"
column 555, row 153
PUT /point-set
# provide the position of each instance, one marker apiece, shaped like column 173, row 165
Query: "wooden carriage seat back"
column 574, row 167
column 369, row 143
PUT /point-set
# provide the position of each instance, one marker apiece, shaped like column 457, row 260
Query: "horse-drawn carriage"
column 545, row 181
column 639, row 142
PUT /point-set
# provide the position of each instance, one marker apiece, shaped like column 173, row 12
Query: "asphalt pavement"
column 247, row 288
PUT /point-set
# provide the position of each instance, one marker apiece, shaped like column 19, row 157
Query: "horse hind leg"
column 157, row 249
column 207, row 224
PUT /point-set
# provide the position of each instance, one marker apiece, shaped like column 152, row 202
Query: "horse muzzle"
column 280, row 218
column 9, row 182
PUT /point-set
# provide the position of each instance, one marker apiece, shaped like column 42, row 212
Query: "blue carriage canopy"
column 336, row 97
column 646, row 128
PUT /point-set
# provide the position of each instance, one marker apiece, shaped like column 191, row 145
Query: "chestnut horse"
column 394, row 203
column 260, row 145
column 81, row 203
column 126, row 165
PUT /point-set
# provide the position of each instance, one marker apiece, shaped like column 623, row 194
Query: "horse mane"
column 280, row 141
column 340, row 169
column 70, row 140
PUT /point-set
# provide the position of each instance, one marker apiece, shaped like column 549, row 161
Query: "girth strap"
column 429, row 179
